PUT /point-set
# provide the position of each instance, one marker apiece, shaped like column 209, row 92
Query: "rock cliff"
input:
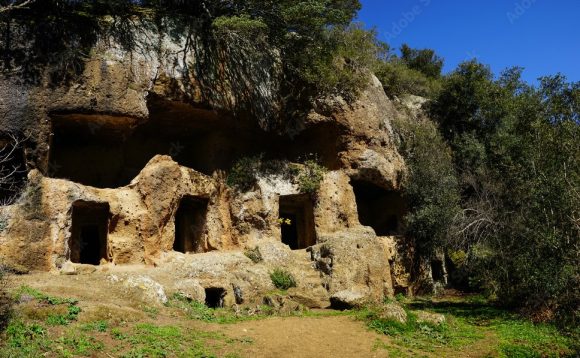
column 128, row 163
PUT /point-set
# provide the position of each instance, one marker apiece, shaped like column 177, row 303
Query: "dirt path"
column 325, row 336
column 338, row 336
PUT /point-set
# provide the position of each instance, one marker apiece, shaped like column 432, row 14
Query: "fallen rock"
column 436, row 319
column 151, row 291
column 348, row 299
column 393, row 312
column 282, row 304
column 316, row 297
column 69, row 268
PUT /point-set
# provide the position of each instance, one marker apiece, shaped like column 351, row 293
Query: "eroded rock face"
column 135, row 116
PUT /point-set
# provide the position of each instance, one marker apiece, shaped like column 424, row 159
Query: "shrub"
column 309, row 176
column 282, row 279
column 432, row 188
column 242, row 176
column 422, row 60
column 398, row 79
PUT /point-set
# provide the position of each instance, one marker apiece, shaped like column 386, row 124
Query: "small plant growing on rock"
column 254, row 254
column 284, row 221
column 242, row 176
column 309, row 176
column 282, row 279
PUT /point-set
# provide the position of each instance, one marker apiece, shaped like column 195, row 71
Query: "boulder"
column 347, row 299
column 353, row 259
column 436, row 319
column 393, row 312
column 149, row 291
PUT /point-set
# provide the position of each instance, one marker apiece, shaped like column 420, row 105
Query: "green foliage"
column 79, row 344
column 24, row 340
column 53, row 319
column 300, row 44
column 398, row 79
column 516, row 152
column 422, row 60
column 357, row 52
column 239, row 24
column 309, row 176
column 254, row 254
column 243, row 173
column 466, row 324
column 98, row 326
column 431, row 188
column 282, row 279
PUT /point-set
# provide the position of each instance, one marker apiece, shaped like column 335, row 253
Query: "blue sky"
column 543, row 36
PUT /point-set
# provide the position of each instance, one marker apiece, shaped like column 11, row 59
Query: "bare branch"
column 16, row 6
column 11, row 170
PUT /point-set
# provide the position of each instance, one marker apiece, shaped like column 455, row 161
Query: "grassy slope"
column 56, row 327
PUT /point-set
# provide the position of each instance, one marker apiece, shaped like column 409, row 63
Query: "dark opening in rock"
column 112, row 150
column 88, row 241
column 297, row 221
column 190, row 225
column 379, row 208
column 214, row 297
column 437, row 270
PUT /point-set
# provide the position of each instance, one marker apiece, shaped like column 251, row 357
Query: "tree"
column 422, row 60
column 516, row 151
column 431, row 188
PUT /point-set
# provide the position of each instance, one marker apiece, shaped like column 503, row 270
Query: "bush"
column 431, row 188
column 282, row 279
column 398, row 79
column 242, row 176
column 422, row 60
column 245, row 171
column 309, row 176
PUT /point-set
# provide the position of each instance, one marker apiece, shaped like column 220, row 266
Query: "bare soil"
column 338, row 336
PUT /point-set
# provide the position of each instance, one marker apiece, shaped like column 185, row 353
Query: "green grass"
column 97, row 326
column 52, row 300
column 142, row 340
column 468, row 322
column 33, row 335
column 53, row 318
column 147, row 340
column 282, row 279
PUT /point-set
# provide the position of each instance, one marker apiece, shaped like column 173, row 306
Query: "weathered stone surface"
column 393, row 312
column 282, row 304
column 436, row 319
column 346, row 299
column 150, row 291
column 189, row 288
column 353, row 259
